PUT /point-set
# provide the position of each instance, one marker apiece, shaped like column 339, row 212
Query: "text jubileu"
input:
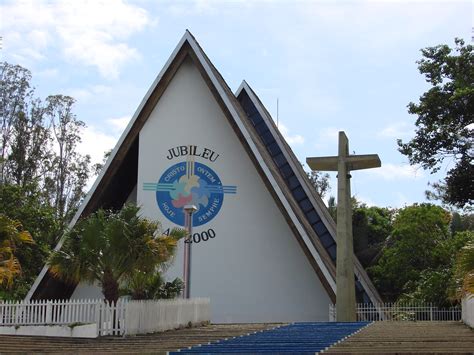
column 192, row 150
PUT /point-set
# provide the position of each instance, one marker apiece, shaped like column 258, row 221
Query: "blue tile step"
column 296, row 338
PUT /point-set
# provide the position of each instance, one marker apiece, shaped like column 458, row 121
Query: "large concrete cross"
column 343, row 164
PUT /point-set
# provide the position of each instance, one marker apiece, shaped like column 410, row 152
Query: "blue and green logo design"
column 190, row 183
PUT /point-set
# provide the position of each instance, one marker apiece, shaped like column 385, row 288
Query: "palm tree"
column 109, row 246
column 464, row 271
column 148, row 285
column 12, row 236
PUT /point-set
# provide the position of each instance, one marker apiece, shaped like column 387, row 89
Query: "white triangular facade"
column 253, row 253
column 251, row 265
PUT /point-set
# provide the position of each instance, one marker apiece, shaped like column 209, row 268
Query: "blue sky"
column 348, row 65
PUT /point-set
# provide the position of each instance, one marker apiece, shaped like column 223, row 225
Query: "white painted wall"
column 468, row 310
column 254, row 269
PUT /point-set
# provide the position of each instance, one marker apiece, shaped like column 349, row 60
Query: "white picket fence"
column 152, row 316
column 401, row 312
column 123, row 318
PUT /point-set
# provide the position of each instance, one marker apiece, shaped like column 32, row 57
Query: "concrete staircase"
column 158, row 343
column 376, row 338
column 409, row 338
column 295, row 338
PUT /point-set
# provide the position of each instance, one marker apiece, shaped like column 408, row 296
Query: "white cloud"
column 402, row 200
column 290, row 138
column 393, row 172
column 92, row 91
column 329, row 134
column 91, row 49
column 91, row 33
column 199, row 7
column 96, row 143
column 326, row 140
column 119, row 124
column 399, row 200
column 39, row 38
column 396, row 130
column 321, row 104
column 380, row 24
column 364, row 199
column 47, row 73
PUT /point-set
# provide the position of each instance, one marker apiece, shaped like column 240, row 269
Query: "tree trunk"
column 110, row 287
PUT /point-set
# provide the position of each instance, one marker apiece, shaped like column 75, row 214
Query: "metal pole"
column 188, row 222
column 190, row 236
column 186, row 256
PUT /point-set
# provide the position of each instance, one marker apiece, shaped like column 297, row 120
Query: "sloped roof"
column 122, row 165
column 310, row 205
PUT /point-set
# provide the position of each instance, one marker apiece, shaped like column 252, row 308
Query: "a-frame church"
column 263, row 241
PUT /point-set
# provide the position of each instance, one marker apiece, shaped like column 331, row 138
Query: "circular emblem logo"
column 189, row 183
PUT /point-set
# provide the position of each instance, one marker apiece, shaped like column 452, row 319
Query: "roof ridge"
column 320, row 206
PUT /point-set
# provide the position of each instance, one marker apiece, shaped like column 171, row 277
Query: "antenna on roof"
column 277, row 112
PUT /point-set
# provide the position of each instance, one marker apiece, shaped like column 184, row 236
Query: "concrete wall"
column 78, row 331
column 468, row 310
column 253, row 269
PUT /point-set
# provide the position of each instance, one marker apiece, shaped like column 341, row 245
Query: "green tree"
column 151, row 285
column 418, row 231
column 15, row 92
column 435, row 283
column 462, row 222
column 12, row 236
column 320, row 182
column 464, row 271
column 29, row 147
column 68, row 171
column 430, row 287
column 371, row 227
column 39, row 143
column 26, row 204
column 445, row 121
column 42, row 175
column 332, row 207
column 108, row 247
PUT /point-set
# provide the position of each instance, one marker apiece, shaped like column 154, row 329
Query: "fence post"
column 97, row 316
column 122, row 318
column 431, row 312
column 49, row 312
column 332, row 312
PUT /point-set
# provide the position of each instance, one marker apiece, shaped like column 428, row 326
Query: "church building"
column 263, row 243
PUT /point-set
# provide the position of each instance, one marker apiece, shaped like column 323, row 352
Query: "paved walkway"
column 409, row 338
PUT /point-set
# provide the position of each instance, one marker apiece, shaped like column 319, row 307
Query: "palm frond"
column 9, row 268
column 113, row 246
